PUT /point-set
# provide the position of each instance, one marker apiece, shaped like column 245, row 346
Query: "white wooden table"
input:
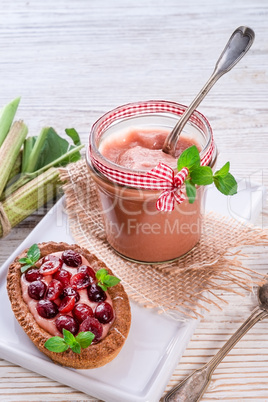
column 71, row 61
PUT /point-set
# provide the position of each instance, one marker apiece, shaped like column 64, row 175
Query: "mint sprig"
column 58, row 345
column 105, row 280
column 33, row 255
column 203, row 175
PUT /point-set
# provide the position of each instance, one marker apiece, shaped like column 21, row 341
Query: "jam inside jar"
column 128, row 141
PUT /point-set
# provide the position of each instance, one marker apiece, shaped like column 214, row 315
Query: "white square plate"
column 155, row 343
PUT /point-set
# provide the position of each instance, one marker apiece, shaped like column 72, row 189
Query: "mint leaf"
column 190, row 191
column 56, row 344
column 85, row 339
column 111, row 281
column 24, row 260
column 223, row 171
column 33, row 255
column 59, row 345
column 34, row 252
column 105, row 280
column 202, row 176
column 227, row 184
column 189, row 158
column 68, row 337
column 76, row 348
column 25, row 268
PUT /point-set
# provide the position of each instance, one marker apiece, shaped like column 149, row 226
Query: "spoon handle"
column 237, row 46
column 193, row 387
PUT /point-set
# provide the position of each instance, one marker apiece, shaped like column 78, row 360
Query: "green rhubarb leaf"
column 73, row 134
column 56, row 344
column 53, row 148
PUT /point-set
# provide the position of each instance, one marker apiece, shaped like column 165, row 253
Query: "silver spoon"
column 193, row 387
column 237, row 46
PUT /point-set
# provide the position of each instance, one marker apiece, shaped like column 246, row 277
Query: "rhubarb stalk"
column 7, row 115
column 10, row 150
column 29, row 198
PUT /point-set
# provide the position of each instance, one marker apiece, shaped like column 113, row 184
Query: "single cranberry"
column 93, row 325
column 50, row 264
column 37, row 290
column 67, row 304
column 54, row 289
column 104, row 312
column 63, row 276
column 88, row 270
column 81, row 311
column 95, row 293
column 47, row 308
column 71, row 258
column 67, row 322
column 70, row 292
column 33, row 274
column 81, row 280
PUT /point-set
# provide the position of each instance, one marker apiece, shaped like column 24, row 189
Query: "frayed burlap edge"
column 184, row 288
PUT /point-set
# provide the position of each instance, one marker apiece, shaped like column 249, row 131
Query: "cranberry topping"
column 47, row 308
column 88, row 270
column 81, row 280
column 67, row 322
column 63, row 276
column 104, row 312
column 54, row 289
column 95, row 293
column 50, row 264
column 33, row 274
column 70, row 292
column 71, row 258
column 93, row 325
column 67, row 304
column 37, row 290
column 81, row 311
column 59, row 299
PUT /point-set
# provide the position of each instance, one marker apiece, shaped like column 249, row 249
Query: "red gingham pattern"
column 166, row 200
column 161, row 177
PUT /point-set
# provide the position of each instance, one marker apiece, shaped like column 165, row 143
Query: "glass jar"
column 134, row 227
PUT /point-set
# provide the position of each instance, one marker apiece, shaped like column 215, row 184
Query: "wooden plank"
column 72, row 61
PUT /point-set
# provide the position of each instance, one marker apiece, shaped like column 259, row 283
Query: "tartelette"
column 61, row 292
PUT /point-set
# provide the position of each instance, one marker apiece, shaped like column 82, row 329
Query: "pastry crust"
column 95, row 355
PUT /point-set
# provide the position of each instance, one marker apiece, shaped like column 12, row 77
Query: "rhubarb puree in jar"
column 132, row 143
column 141, row 148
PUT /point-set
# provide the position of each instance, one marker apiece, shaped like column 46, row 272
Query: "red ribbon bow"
column 172, row 192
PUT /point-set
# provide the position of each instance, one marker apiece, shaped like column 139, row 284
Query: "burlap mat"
column 186, row 287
